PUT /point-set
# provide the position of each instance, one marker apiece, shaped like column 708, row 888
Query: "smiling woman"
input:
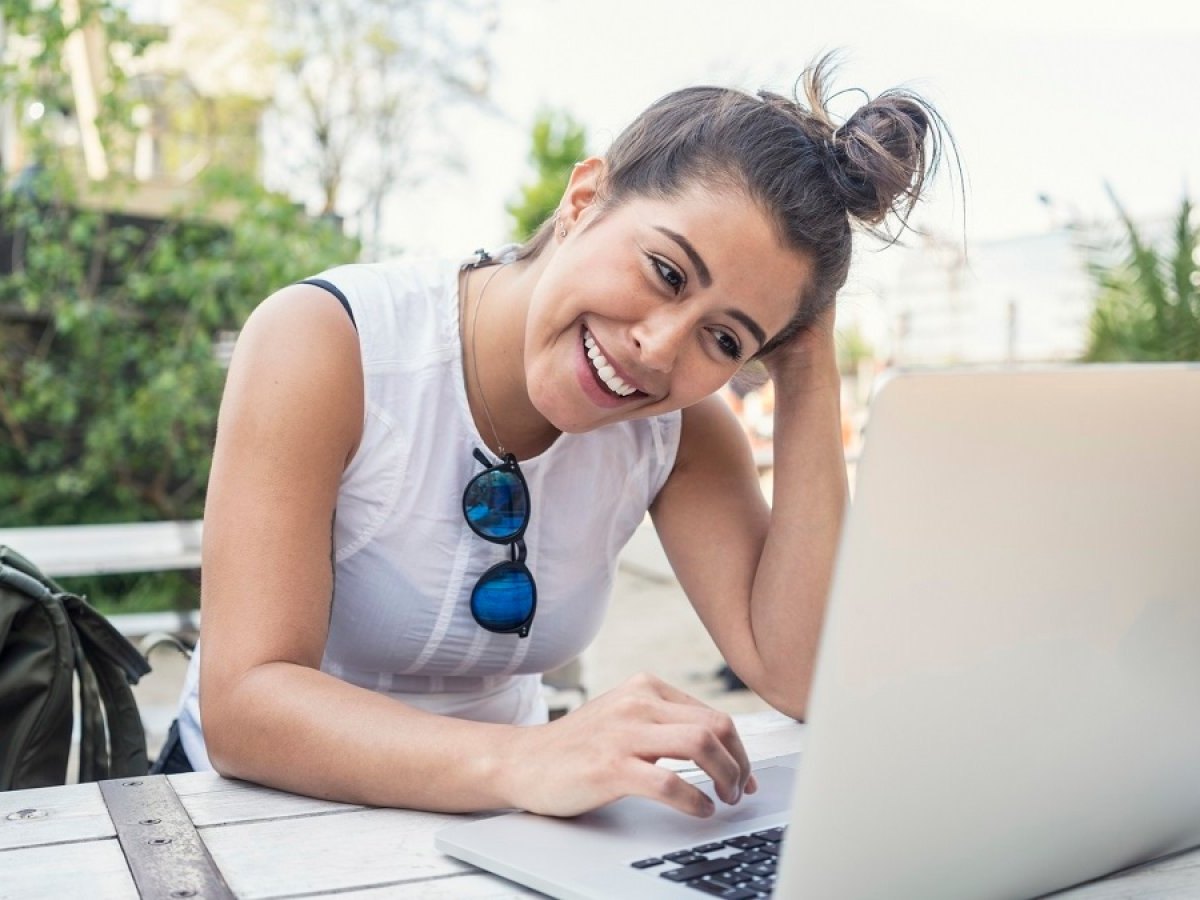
column 484, row 437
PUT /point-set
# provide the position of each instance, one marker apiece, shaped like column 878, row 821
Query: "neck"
column 492, row 327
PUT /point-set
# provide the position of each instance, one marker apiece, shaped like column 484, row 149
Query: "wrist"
column 504, row 763
column 802, row 372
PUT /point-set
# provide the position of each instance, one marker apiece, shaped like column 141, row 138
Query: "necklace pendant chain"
column 483, row 257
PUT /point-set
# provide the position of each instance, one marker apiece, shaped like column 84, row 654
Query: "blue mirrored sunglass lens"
column 496, row 504
column 503, row 599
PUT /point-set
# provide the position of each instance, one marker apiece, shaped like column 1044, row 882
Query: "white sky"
column 1043, row 96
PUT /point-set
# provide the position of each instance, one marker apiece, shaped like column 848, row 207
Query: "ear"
column 583, row 190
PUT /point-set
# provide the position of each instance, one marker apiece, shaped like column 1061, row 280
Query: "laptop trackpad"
column 631, row 816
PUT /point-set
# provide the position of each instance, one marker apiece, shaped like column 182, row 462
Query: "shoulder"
column 298, row 351
column 411, row 299
column 391, row 281
column 709, row 432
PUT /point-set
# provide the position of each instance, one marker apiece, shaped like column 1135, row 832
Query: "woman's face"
column 653, row 305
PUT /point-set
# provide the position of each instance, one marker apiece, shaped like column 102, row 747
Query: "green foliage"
column 558, row 143
column 1148, row 304
column 852, row 348
column 109, row 322
column 137, row 593
column 33, row 68
column 109, row 383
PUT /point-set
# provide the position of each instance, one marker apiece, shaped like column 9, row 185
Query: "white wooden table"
column 61, row 842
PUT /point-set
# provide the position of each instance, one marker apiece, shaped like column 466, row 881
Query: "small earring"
column 562, row 231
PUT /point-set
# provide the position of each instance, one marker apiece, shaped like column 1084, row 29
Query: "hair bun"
column 880, row 158
column 879, row 155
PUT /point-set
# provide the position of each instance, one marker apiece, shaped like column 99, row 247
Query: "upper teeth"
column 607, row 373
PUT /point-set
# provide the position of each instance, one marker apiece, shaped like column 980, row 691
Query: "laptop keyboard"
column 737, row 868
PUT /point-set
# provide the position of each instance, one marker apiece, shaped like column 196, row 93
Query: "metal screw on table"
column 27, row 814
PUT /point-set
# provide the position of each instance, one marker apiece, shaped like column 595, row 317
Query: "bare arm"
column 290, row 421
column 759, row 576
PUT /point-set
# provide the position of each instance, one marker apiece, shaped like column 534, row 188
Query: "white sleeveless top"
column 405, row 560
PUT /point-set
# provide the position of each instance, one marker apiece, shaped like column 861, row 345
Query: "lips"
column 603, row 370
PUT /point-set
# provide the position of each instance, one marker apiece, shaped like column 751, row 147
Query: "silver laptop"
column 1007, row 694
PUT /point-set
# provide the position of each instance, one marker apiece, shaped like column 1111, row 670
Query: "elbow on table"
column 219, row 742
column 788, row 703
column 785, row 695
column 228, row 734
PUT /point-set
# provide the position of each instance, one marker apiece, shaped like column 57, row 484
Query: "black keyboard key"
column 773, row 835
column 647, row 863
column 751, row 856
column 718, row 890
column 758, row 870
column 744, row 842
column 699, row 869
column 682, row 857
column 708, row 848
column 733, row 878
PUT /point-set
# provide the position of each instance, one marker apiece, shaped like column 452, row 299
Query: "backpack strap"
column 93, row 744
column 35, row 682
column 10, row 557
column 116, row 665
column 112, row 742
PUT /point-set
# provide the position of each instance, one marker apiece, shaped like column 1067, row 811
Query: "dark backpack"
column 48, row 637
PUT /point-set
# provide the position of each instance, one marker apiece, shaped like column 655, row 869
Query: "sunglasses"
column 496, row 506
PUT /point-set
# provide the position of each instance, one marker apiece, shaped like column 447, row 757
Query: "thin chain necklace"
column 475, row 353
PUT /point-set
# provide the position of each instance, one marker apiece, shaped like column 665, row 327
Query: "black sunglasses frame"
column 514, row 541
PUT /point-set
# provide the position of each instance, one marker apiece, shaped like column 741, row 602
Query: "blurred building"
column 1019, row 300
column 199, row 94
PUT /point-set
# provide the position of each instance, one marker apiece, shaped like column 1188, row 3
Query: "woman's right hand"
column 607, row 749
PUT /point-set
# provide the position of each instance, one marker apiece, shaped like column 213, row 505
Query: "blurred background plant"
column 558, row 142
column 362, row 89
column 116, row 322
column 1148, row 302
column 138, row 139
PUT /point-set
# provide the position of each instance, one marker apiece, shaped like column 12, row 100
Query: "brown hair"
column 811, row 177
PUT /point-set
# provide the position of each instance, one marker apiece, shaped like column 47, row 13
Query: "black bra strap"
column 333, row 289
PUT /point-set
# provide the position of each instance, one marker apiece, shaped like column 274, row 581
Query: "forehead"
column 738, row 243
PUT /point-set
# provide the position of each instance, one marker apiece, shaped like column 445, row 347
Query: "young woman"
column 418, row 493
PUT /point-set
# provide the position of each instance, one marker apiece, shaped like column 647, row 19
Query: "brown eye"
column 728, row 344
column 669, row 274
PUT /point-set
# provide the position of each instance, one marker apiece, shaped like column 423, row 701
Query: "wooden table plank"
column 93, row 869
column 213, row 800
column 327, row 853
column 1174, row 878
column 452, row 887
column 52, row 815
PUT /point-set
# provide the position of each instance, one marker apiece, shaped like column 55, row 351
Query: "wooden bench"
column 108, row 549
column 66, row 550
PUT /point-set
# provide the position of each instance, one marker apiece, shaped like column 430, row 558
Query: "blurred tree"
column 853, row 348
column 357, row 76
column 1148, row 304
column 113, row 325
column 558, row 143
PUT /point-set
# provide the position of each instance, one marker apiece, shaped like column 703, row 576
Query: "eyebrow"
column 706, row 281
column 686, row 246
column 753, row 327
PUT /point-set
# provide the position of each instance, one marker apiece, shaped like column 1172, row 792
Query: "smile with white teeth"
column 607, row 373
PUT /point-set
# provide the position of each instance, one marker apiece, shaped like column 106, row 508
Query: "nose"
column 659, row 338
